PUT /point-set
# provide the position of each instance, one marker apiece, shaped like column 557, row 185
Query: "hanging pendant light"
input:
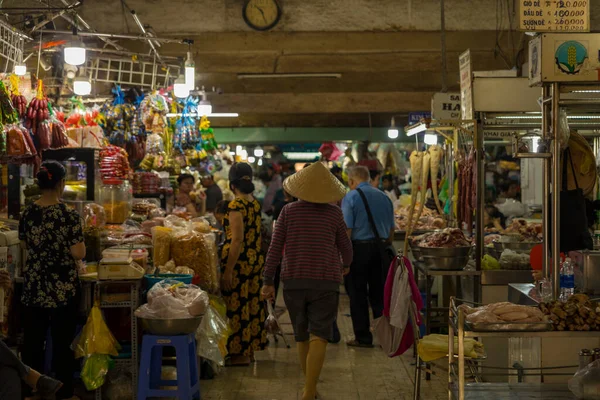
column 190, row 72
column 393, row 131
column 20, row 69
column 75, row 51
column 82, row 86
column 180, row 88
column 204, row 106
column 259, row 152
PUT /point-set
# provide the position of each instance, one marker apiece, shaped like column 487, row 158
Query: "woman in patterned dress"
column 53, row 237
column 242, row 268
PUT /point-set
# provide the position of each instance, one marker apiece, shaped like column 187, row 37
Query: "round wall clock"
column 261, row 15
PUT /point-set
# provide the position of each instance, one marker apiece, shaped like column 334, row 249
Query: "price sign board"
column 445, row 106
column 554, row 15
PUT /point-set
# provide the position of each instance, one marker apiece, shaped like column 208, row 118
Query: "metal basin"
column 519, row 247
column 170, row 327
column 445, row 258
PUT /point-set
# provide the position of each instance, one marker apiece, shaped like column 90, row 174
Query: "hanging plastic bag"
column 213, row 332
column 95, row 337
column 95, row 368
column 586, row 382
column 271, row 324
column 564, row 131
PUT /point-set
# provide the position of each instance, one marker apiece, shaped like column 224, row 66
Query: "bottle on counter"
column 567, row 280
column 585, row 358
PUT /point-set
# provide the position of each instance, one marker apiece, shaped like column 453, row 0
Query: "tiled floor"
column 348, row 374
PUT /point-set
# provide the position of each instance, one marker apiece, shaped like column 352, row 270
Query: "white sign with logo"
column 445, row 106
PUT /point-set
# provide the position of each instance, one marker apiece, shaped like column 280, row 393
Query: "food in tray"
column 503, row 312
column 521, row 231
column 579, row 313
column 429, row 220
column 446, row 238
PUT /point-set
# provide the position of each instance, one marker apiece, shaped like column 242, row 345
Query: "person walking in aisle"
column 13, row 372
column 311, row 244
column 369, row 216
column 242, row 265
column 53, row 236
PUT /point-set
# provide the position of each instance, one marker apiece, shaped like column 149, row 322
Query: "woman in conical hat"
column 311, row 244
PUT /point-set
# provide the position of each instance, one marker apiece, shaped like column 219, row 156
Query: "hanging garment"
column 401, row 294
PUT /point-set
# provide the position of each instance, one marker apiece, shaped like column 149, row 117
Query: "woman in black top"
column 53, row 237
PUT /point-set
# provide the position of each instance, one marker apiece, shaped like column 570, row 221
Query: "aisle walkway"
column 349, row 374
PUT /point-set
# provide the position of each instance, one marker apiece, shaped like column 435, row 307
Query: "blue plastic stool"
column 150, row 381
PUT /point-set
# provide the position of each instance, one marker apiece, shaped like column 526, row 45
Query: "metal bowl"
column 445, row 257
column 519, row 247
column 171, row 327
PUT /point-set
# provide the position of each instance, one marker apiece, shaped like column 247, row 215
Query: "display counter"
column 539, row 349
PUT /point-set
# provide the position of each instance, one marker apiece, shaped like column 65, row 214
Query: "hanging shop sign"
column 554, row 15
column 466, row 85
column 565, row 57
column 416, row 117
column 445, row 106
column 498, row 134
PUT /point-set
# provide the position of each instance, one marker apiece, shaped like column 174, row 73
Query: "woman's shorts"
column 312, row 312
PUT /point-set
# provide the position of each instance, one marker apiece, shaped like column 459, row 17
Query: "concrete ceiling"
column 388, row 53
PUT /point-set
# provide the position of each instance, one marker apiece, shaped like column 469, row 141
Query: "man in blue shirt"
column 366, row 279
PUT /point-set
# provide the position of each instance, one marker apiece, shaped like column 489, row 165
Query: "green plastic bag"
column 95, row 369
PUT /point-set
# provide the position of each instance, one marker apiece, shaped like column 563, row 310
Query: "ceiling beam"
column 301, row 103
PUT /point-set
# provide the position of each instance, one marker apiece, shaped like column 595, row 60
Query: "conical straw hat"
column 315, row 184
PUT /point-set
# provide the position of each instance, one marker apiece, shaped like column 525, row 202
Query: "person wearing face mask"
column 53, row 237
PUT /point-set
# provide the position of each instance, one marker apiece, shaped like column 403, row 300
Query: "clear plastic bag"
column 271, row 324
column 586, row 382
column 161, row 240
column 119, row 386
column 213, row 332
column 564, row 131
column 171, row 299
column 95, row 337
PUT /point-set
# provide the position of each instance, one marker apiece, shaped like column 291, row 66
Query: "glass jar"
column 116, row 197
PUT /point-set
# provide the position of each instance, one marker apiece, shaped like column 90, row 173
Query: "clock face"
column 262, row 15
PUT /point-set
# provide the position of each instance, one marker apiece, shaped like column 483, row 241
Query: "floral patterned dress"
column 245, row 309
column 50, row 272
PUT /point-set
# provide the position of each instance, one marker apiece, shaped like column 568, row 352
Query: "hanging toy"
column 208, row 137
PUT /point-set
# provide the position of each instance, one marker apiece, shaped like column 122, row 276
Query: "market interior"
column 281, row 199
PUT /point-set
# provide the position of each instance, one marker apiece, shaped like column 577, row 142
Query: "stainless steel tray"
column 508, row 326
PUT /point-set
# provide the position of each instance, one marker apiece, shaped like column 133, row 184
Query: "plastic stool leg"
column 183, row 368
column 156, row 367
column 145, row 365
column 194, row 369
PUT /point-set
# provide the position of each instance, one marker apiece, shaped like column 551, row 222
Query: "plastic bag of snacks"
column 161, row 240
column 213, row 332
column 114, row 163
column 94, row 215
column 199, row 252
column 18, row 142
column 171, row 299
